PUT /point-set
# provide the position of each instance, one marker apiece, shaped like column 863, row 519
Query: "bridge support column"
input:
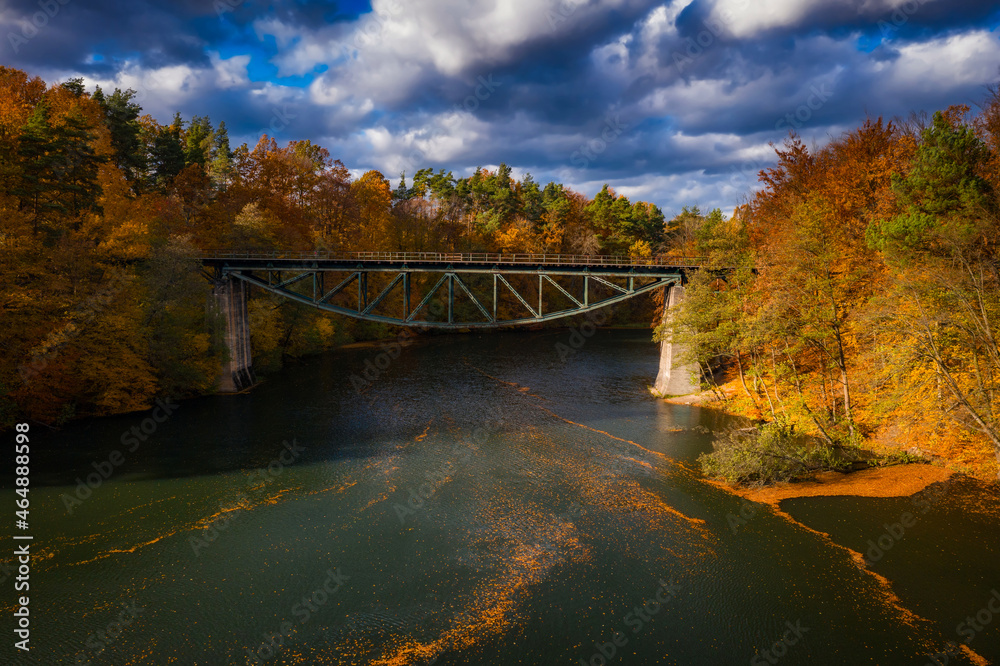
column 230, row 298
column 674, row 378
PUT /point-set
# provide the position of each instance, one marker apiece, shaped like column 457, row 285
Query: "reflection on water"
column 483, row 501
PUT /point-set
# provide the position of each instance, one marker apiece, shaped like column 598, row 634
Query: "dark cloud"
column 697, row 100
column 69, row 36
column 64, row 34
column 910, row 19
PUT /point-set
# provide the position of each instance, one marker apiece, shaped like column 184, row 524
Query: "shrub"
column 769, row 454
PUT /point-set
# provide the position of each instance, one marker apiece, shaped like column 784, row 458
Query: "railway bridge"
column 443, row 290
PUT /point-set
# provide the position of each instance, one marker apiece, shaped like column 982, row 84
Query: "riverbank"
column 970, row 458
column 925, row 484
column 895, row 481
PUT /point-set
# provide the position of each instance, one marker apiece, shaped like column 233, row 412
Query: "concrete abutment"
column 674, row 376
column 230, row 297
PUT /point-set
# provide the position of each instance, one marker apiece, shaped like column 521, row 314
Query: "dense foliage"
column 861, row 296
column 104, row 213
column 857, row 294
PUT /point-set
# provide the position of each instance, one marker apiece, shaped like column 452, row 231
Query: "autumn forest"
column 854, row 296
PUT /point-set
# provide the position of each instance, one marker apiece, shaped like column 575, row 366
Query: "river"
column 486, row 499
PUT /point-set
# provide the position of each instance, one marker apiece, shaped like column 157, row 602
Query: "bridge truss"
column 495, row 285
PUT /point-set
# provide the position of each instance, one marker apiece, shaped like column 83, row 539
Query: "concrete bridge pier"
column 230, row 297
column 675, row 378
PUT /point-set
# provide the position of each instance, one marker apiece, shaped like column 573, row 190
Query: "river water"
column 482, row 501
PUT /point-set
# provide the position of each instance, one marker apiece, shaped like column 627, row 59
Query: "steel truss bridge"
column 316, row 279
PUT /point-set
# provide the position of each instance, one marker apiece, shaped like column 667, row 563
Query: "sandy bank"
column 895, row 481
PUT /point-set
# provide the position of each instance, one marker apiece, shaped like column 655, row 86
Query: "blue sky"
column 670, row 102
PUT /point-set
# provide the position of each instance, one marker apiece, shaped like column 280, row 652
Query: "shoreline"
column 980, row 471
column 894, row 481
column 406, row 335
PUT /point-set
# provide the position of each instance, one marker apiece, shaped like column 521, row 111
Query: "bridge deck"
column 477, row 262
column 301, row 276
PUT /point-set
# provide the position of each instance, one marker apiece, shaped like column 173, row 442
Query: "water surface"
column 483, row 501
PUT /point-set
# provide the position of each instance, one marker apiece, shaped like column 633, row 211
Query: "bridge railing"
column 466, row 258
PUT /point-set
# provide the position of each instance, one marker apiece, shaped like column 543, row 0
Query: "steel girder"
column 278, row 274
column 316, row 295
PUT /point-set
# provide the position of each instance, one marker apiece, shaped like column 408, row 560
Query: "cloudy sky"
column 670, row 102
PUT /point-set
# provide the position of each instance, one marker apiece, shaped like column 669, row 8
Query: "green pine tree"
column 167, row 157
column 121, row 116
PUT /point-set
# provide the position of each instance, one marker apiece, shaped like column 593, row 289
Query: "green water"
column 483, row 501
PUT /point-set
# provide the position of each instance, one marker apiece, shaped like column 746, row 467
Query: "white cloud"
column 672, row 192
column 744, row 18
column 945, row 63
column 444, row 138
column 230, row 72
column 161, row 90
column 283, row 34
column 393, row 50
